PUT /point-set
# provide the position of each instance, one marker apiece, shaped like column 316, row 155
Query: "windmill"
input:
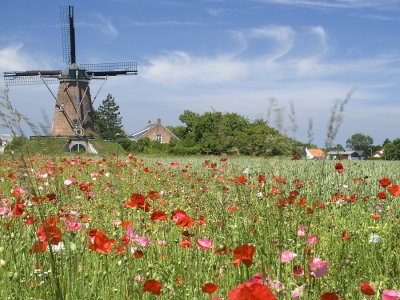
column 73, row 113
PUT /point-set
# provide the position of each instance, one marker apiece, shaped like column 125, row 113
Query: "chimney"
column 148, row 122
column 158, row 121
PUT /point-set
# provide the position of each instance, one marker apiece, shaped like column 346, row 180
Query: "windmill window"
column 78, row 148
column 159, row 138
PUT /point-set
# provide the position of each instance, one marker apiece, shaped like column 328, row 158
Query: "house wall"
column 166, row 135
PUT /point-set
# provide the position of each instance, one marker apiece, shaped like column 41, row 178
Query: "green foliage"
column 392, row 149
column 107, row 119
column 216, row 133
column 360, row 141
column 179, row 131
column 16, row 144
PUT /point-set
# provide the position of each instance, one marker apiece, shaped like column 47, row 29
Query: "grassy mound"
column 55, row 147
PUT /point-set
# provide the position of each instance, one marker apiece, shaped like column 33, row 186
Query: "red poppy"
column 126, row 224
column 275, row 190
column 298, row 270
column 120, row 249
column 153, row 195
column 125, row 240
column 53, row 234
column 38, row 248
column 184, row 221
column 158, row 215
column 152, row 286
column 139, row 201
column 384, row 182
column 99, row 242
column 345, row 235
column 241, row 179
column 358, row 180
column 224, row 250
column 367, row 289
column 232, row 208
column 261, row 179
column 382, row 195
column 185, row 243
column 297, row 183
column 251, row 290
column 210, row 288
column 375, row 217
column 329, row 296
column 50, row 234
column 394, row 190
column 279, row 179
column 302, row 202
column 18, row 208
column 51, row 221
column 339, row 168
column 18, row 192
column 243, row 253
column 138, row 254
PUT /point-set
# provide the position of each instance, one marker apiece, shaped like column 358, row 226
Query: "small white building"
column 314, row 154
column 346, row 155
column 5, row 139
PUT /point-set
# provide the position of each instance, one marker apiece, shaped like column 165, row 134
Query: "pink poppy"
column 142, row 241
column 204, row 244
column 68, row 182
column 260, row 278
column 318, row 267
column 312, row 240
column 287, row 256
column 301, row 230
column 297, row 292
column 391, row 295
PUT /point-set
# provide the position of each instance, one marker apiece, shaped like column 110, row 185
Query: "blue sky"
column 259, row 58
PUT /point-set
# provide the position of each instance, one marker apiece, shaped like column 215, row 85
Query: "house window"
column 159, row 138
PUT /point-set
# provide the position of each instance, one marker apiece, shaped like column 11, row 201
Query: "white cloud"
column 282, row 35
column 215, row 12
column 102, row 25
column 12, row 58
column 179, row 67
column 16, row 57
column 320, row 32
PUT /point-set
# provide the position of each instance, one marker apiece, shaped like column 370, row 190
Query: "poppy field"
column 125, row 227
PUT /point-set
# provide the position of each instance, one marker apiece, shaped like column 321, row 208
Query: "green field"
column 126, row 227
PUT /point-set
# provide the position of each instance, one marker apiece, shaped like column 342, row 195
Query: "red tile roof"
column 316, row 152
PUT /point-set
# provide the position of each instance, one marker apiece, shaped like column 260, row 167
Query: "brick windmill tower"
column 73, row 113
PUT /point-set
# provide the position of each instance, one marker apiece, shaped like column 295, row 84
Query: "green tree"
column 339, row 147
column 391, row 150
column 360, row 141
column 107, row 120
column 216, row 133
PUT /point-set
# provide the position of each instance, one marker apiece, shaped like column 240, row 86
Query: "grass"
column 54, row 147
column 228, row 204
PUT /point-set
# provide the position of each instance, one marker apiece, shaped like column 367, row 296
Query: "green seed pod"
column 72, row 246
